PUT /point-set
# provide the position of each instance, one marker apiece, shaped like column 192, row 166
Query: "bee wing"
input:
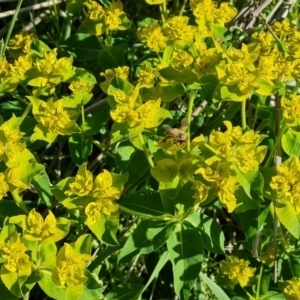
column 167, row 127
column 184, row 122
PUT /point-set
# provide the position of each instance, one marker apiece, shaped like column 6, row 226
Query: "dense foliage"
column 150, row 149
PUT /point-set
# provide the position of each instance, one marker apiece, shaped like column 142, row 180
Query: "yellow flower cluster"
column 231, row 148
column 100, row 194
column 237, row 270
column 14, row 254
column 70, row 266
column 287, row 183
column 106, row 19
column 292, row 289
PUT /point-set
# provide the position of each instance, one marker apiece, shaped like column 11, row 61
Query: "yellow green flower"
column 14, row 254
column 292, row 290
column 291, row 110
column 82, row 184
column 35, row 228
column 4, row 188
column 70, row 266
column 80, row 86
column 153, row 37
column 95, row 10
column 287, row 182
column 104, row 188
column 146, row 76
column 20, row 44
column 182, row 59
column 95, row 210
column 53, row 118
column 124, row 114
column 225, row 192
column 177, row 28
column 201, row 192
column 237, row 270
column 10, row 140
column 109, row 74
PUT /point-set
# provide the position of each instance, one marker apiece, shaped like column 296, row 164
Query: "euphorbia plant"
column 145, row 164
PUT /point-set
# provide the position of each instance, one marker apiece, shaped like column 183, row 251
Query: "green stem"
column 271, row 155
column 26, row 296
column 19, row 202
column 11, row 26
column 25, row 113
column 162, row 14
column 243, row 110
column 259, row 281
column 189, row 116
column 103, row 148
column 250, row 297
column 182, row 7
column 148, row 156
column 146, row 216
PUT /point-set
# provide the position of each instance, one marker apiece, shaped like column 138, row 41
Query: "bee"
column 177, row 134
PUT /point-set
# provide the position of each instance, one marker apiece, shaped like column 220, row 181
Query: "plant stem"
column 189, row 117
column 11, row 26
column 103, row 149
column 162, row 14
column 26, row 296
column 259, row 281
column 243, row 110
column 278, row 161
column 149, row 158
column 182, row 7
column 146, row 216
column 19, row 202
column 25, row 113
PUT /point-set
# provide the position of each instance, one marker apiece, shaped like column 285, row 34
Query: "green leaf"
column 146, row 238
column 113, row 58
column 41, row 184
column 75, row 6
column 164, row 258
column 10, row 281
column 218, row 292
column 73, row 292
column 122, row 132
column 185, row 195
column 211, row 232
column 82, row 46
column 83, row 244
column 208, row 85
column 268, row 173
column 9, row 209
column 94, row 121
column 125, row 292
column 246, row 179
column 47, row 255
column 185, row 249
column 168, row 192
column 291, row 142
column 49, row 288
column 287, row 217
column 126, row 157
column 80, row 147
column 229, row 93
column 144, row 201
column 169, row 93
column 251, row 222
column 106, row 228
column 91, row 289
column 179, row 76
column 6, row 294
